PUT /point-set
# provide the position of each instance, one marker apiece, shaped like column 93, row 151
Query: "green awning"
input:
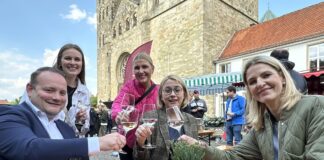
column 214, row 83
column 214, row 79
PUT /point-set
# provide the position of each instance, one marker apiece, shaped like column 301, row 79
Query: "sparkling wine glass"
column 129, row 115
column 81, row 107
column 175, row 118
column 149, row 119
column 129, row 121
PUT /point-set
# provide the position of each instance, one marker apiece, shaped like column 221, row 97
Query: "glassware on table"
column 175, row 118
column 149, row 119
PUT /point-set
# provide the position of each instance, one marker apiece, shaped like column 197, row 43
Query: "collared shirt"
column 54, row 132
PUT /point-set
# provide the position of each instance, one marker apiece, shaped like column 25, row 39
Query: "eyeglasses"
column 176, row 90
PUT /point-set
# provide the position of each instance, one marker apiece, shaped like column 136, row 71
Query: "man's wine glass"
column 149, row 118
column 175, row 118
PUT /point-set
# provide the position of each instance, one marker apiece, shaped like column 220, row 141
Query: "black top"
column 70, row 91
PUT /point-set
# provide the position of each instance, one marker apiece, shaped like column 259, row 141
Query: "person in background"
column 142, row 87
column 103, row 114
column 187, row 109
column 198, row 106
column 94, row 123
column 33, row 130
column 300, row 82
column 109, row 122
column 285, row 123
column 172, row 93
column 70, row 60
column 235, row 109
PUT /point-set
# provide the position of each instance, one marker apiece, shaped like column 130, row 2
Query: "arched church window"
column 127, row 24
column 114, row 32
column 120, row 29
column 134, row 20
column 121, row 67
column 107, row 11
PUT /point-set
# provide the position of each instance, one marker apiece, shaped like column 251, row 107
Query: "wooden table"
column 203, row 134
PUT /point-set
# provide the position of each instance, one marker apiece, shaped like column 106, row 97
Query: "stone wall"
column 187, row 36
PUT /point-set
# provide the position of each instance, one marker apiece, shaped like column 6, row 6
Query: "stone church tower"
column 187, row 35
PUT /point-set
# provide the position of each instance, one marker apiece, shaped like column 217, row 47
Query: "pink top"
column 135, row 88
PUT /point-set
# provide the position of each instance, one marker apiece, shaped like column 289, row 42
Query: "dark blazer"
column 161, row 137
column 23, row 137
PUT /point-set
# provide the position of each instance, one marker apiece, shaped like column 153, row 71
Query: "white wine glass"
column 129, row 115
column 129, row 121
column 149, row 119
column 79, row 124
column 175, row 118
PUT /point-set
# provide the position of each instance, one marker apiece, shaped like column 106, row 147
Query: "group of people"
column 285, row 123
column 100, row 121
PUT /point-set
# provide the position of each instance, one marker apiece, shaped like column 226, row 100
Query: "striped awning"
column 213, row 83
column 214, row 79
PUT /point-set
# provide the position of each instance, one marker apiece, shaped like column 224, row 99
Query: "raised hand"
column 112, row 141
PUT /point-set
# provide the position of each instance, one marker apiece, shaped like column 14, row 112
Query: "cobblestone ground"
column 107, row 155
column 104, row 156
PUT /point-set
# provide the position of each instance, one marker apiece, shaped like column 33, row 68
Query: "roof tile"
column 298, row 25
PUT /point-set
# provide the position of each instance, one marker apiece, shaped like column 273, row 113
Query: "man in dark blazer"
column 34, row 131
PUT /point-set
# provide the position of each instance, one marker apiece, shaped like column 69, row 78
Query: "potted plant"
column 184, row 151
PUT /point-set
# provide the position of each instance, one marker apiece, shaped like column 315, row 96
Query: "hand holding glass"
column 149, row 118
column 175, row 118
column 129, row 115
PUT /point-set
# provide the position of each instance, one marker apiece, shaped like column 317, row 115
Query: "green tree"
column 15, row 101
column 93, row 100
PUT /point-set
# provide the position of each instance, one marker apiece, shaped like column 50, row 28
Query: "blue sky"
column 31, row 32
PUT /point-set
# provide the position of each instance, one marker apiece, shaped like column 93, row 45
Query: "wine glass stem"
column 149, row 140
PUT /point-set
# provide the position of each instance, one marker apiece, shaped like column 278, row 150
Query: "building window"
column 120, row 29
column 104, row 39
column 225, row 68
column 103, row 13
column 107, row 11
column 134, row 20
column 127, row 24
column 121, row 66
column 114, row 32
column 316, row 57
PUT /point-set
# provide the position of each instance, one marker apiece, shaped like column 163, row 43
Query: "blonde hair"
column 289, row 96
column 180, row 81
column 144, row 56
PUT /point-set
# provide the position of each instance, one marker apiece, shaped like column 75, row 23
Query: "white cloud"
column 92, row 20
column 50, row 57
column 75, row 13
column 15, row 71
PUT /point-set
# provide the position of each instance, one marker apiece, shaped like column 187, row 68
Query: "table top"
column 205, row 132
column 224, row 147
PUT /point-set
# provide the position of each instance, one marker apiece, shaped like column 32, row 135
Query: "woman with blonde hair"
column 145, row 92
column 173, row 93
column 285, row 124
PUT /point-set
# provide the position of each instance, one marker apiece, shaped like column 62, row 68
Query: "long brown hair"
column 58, row 62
